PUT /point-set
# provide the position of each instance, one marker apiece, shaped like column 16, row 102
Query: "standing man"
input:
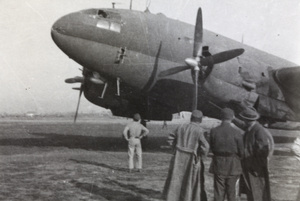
column 133, row 133
column 226, row 144
column 185, row 181
column 255, row 162
column 296, row 150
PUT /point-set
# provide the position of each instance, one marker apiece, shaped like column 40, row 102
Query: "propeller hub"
column 191, row 62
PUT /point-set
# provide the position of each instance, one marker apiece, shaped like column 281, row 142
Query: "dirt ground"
column 57, row 160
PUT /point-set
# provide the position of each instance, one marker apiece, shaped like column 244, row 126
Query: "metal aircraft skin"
column 142, row 62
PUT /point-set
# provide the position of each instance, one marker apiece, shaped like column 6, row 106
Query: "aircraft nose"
column 59, row 29
column 66, row 26
column 69, row 27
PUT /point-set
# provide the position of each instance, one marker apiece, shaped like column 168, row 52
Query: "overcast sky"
column 33, row 69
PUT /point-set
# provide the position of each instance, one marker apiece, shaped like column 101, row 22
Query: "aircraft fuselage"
column 135, row 47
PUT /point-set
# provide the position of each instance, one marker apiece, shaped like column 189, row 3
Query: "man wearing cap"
column 255, row 161
column 133, row 133
column 226, row 142
column 242, row 125
column 185, row 181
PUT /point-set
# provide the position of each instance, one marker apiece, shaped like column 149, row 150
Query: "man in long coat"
column 185, row 181
column 226, row 142
column 296, row 150
column 255, row 162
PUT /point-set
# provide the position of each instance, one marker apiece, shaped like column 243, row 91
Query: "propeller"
column 204, row 61
column 198, row 62
column 90, row 76
column 77, row 79
column 197, row 52
column 77, row 108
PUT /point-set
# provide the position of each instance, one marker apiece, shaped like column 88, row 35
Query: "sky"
column 33, row 69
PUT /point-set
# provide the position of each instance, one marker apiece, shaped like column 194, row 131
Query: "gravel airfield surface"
column 54, row 159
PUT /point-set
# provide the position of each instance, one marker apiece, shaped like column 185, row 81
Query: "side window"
column 114, row 26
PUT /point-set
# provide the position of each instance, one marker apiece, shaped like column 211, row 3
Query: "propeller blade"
column 198, row 35
column 227, row 55
column 172, row 71
column 195, row 100
column 76, row 79
column 80, row 93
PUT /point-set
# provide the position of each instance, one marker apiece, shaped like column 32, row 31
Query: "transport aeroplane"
column 137, row 61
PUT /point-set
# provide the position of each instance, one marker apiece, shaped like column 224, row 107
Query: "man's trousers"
column 225, row 186
column 134, row 147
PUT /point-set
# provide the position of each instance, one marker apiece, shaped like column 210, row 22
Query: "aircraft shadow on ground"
column 152, row 144
column 107, row 193
column 148, row 192
column 100, row 165
column 110, row 194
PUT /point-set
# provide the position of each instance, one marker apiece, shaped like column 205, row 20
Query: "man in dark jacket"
column 255, row 161
column 226, row 142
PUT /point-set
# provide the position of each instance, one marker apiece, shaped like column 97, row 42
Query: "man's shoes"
column 131, row 170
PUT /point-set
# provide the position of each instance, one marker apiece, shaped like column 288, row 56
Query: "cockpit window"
column 102, row 13
column 104, row 19
column 113, row 26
